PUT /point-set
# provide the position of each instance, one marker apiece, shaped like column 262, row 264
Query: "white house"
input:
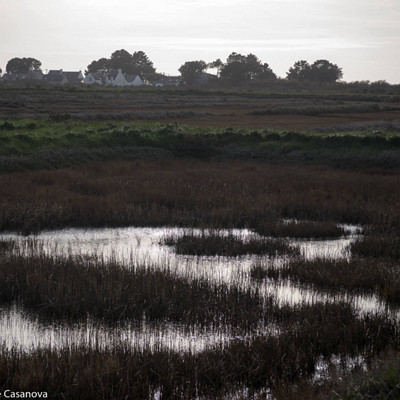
column 94, row 78
column 118, row 78
column 115, row 77
column 133, row 80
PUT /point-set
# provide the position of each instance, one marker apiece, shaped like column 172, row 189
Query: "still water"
column 133, row 246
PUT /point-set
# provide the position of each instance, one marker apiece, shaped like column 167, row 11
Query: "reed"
column 72, row 288
column 383, row 246
column 219, row 244
column 260, row 363
column 196, row 194
column 355, row 275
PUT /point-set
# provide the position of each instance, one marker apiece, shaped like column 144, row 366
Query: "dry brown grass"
column 194, row 193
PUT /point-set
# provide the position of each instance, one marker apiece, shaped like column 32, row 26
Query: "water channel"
column 138, row 246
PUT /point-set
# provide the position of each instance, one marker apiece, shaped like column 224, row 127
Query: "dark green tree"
column 266, row 72
column 142, row 66
column 102, row 65
column 191, row 71
column 300, row 71
column 121, row 59
column 135, row 64
column 23, row 65
column 325, row 72
column 218, row 64
column 239, row 69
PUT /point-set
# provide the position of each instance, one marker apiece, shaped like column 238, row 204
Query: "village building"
column 168, row 81
column 60, row 77
column 94, row 78
column 115, row 77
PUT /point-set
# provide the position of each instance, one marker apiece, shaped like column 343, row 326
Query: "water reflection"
column 133, row 246
column 20, row 330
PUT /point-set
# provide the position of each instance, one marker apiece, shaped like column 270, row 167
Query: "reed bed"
column 211, row 195
column 195, row 194
column 74, row 288
column 386, row 245
column 355, row 275
column 218, row 244
column 255, row 364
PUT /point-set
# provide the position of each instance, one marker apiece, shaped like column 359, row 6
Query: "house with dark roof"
column 168, row 81
column 94, row 78
column 55, row 77
column 60, row 77
column 133, row 80
column 73, row 77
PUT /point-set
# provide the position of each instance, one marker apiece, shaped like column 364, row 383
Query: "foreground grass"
column 260, row 363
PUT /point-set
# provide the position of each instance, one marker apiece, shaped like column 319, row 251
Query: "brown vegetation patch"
column 195, row 194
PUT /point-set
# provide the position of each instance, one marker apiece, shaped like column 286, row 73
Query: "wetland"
column 154, row 260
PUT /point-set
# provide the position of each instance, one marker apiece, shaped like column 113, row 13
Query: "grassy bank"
column 27, row 144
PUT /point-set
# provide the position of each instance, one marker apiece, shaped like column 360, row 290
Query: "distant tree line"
column 237, row 70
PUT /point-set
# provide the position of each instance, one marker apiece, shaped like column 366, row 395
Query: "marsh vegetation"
column 157, row 260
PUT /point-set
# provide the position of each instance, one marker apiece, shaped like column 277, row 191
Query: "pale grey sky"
column 361, row 36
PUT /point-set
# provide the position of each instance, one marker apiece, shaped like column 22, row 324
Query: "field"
column 262, row 228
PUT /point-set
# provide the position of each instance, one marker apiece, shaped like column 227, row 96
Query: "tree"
column 300, row 71
column 102, row 65
column 121, row 59
column 134, row 64
column 218, row 64
column 321, row 71
column 142, row 66
column 325, row 72
column 191, row 71
column 239, row 69
column 23, row 65
column 266, row 72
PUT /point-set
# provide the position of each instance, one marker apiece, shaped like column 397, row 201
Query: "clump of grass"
column 72, row 288
column 218, row 244
column 355, row 275
column 300, row 229
column 7, row 126
column 382, row 246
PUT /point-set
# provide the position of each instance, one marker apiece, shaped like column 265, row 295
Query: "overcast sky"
column 360, row 36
